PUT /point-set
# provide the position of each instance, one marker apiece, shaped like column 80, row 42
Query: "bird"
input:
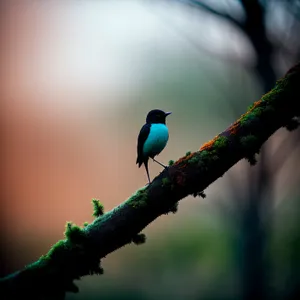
column 152, row 139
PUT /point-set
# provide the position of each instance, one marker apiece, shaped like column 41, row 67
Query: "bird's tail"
column 139, row 161
column 146, row 167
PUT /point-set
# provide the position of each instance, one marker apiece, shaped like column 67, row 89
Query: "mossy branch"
column 79, row 254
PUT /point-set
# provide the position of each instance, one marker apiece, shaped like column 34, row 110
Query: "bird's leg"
column 149, row 181
column 147, row 170
column 159, row 163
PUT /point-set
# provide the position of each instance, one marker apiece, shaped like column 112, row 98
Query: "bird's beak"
column 168, row 113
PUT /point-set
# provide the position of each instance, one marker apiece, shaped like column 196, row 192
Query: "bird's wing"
column 141, row 140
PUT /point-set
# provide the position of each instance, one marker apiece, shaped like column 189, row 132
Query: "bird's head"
column 157, row 116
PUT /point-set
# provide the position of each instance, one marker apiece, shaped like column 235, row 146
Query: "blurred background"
column 78, row 78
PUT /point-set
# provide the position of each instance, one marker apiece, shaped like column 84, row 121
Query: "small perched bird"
column 152, row 138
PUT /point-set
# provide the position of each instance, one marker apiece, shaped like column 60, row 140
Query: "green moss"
column 268, row 100
column 98, row 208
column 247, row 118
column 44, row 258
column 205, row 158
column 139, row 199
column 188, row 153
column 171, row 162
column 40, row 263
column 85, row 224
column 139, row 239
column 279, row 87
column 250, row 106
column 204, row 155
column 193, row 160
column 74, row 233
column 165, row 181
column 221, row 142
column 56, row 249
column 249, row 141
column 258, row 110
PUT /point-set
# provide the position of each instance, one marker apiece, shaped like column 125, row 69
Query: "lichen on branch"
column 80, row 252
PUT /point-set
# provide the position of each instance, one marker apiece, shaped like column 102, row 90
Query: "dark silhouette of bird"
column 152, row 138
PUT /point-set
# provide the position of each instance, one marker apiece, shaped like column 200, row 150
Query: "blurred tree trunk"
column 255, row 28
column 253, row 238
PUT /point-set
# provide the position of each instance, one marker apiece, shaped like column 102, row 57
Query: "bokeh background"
column 77, row 80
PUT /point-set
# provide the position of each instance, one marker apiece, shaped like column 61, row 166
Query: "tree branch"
column 213, row 11
column 79, row 254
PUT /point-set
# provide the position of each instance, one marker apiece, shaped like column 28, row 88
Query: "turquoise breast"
column 157, row 139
